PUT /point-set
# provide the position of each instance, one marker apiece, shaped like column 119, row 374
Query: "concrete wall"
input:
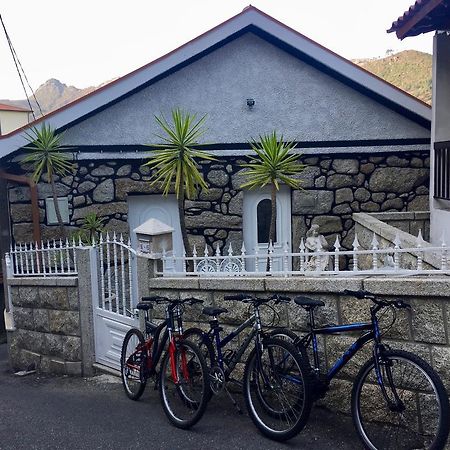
column 11, row 120
column 424, row 330
column 440, row 209
column 290, row 96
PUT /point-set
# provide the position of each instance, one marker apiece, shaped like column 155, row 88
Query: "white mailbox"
column 154, row 237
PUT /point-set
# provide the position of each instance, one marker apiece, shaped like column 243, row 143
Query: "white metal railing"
column 51, row 258
column 118, row 283
column 393, row 259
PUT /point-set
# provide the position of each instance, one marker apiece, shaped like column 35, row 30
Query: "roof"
column 423, row 16
column 250, row 19
column 4, row 107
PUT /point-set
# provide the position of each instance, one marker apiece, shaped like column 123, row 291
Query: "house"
column 423, row 17
column 12, row 118
column 366, row 143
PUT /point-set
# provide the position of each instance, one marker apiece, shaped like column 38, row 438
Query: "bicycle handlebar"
column 239, row 297
column 361, row 294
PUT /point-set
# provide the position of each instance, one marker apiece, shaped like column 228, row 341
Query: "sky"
column 86, row 43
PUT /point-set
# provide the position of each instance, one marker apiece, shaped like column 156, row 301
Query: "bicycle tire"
column 203, row 342
column 280, row 408
column 132, row 364
column 184, row 400
column 423, row 404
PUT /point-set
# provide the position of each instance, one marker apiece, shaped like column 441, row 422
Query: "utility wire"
column 19, row 68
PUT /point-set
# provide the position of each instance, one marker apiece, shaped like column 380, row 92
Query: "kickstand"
column 235, row 404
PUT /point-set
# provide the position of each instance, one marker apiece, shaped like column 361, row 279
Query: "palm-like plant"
column 174, row 161
column 273, row 165
column 47, row 157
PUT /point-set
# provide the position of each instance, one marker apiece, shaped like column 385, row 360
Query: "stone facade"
column 333, row 188
column 47, row 320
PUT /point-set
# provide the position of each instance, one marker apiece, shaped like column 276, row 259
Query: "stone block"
column 73, row 368
column 312, row 202
column 102, row 171
column 27, row 297
column 310, row 285
column 420, row 203
column 232, row 284
column 124, row 171
column 328, row 224
column 238, row 311
column 339, row 181
column 346, row 166
column 274, row 315
column 174, row 283
column 362, row 194
column 45, row 364
column 19, row 194
column 23, row 318
column 218, row 178
column 441, row 363
column 71, row 348
column 72, row 297
column 397, row 179
column 41, row 320
column 414, row 287
column 53, row 298
column 338, row 398
column 397, row 161
column 307, row 176
column 209, row 219
column 45, row 190
column 422, row 350
column 104, row 192
column 235, row 206
column 194, row 312
column 211, row 194
column 125, row 186
column 64, row 322
column 30, row 359
column 57, row 366
column 344, row 195
column 52, row 345
column 23, row 213
column 86, row 186
column 428, row 321
column 33, row 341
column 101, row 210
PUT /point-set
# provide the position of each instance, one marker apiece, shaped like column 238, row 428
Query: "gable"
column 291, row 96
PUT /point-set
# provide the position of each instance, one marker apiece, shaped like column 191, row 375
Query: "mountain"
column 409, row 70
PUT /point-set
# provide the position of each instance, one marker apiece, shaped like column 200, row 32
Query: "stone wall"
column 333, row 188
column 47, row 320
column 424, row 330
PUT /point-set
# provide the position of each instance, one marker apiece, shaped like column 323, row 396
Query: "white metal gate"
column 114, row 304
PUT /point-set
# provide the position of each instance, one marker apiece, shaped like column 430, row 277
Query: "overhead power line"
column 21, row 71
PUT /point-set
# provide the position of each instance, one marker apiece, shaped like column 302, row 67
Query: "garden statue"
column 316, row 242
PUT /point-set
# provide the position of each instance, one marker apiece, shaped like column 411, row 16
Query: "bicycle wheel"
column 132, row 363
column 416, row 414
column 203, row 342
column 184, row 385
column 276, row 390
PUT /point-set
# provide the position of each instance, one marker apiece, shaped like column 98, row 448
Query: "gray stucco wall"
column 291, row 97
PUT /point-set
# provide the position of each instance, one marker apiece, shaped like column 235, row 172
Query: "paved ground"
column 38, row 412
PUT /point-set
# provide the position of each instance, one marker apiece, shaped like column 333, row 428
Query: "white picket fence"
column 373, row 261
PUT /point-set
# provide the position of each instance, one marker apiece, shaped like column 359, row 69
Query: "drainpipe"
column 22, row 179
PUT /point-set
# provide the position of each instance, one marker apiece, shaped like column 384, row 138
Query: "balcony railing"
column 442, row 170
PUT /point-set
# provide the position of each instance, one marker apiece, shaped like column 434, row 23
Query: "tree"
column 47, row 157
column 273, row 165
column 174, row 161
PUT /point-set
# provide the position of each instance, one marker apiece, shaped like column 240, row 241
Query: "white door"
column 256, row 222
column 144, row 207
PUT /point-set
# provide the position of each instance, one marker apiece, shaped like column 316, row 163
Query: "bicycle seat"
column 214, row 311
column 144, row 306
column 308, row 302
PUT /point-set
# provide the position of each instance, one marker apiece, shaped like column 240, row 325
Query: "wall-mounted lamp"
column 250, row 102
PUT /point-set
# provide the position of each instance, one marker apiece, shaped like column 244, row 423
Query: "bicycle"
column 398, row 400
column 182, row 380
column 275, row 383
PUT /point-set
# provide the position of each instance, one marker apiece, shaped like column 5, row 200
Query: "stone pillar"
column 87, row 294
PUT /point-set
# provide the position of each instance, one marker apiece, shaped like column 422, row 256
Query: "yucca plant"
column 174, row 161
column 93, row 226
column 273, row 165
column 47, row 157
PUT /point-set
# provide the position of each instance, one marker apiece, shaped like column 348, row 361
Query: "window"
column 442, row 170
column 263, row 214
column 63, row 203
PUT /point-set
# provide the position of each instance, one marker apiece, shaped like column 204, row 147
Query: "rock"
column 312, row 202
column 125, row 186
column 344, row 208
column 420, row 203
column 209, row 219
column 344, row 195
column 86, row 186
column 218, row 177
column 45, row 190
column 103, row 171
column 416, row 162
column 119, row 226
column 101, row 210
column 64, row 322
column 397, row 162
column 19, row 194
column 428, row 321
column 307, row 176
column 328, row 224
column 71, row 348
column 145, row 170
column 378, row 197
column 239, row 178
column 124, row 170
column 68, row 180
column 346, row 166
column 320, row 182
column 79, row 200
column 397, row 179
column 236, row 204
column 211, row 194
column 23, row 213
column 370, row 207
column 104, row 192
column 395, row 203
column 188, row 204
column 367, row 168
column 339, row 181
column 326, row 164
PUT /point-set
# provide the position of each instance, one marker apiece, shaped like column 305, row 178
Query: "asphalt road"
column 42, row 412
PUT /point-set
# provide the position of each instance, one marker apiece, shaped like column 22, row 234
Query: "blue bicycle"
column 398, row 400
column 275, row 383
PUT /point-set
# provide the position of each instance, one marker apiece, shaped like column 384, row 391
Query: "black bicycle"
column 183, row 375
column 398, row 400
column 275, row 384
